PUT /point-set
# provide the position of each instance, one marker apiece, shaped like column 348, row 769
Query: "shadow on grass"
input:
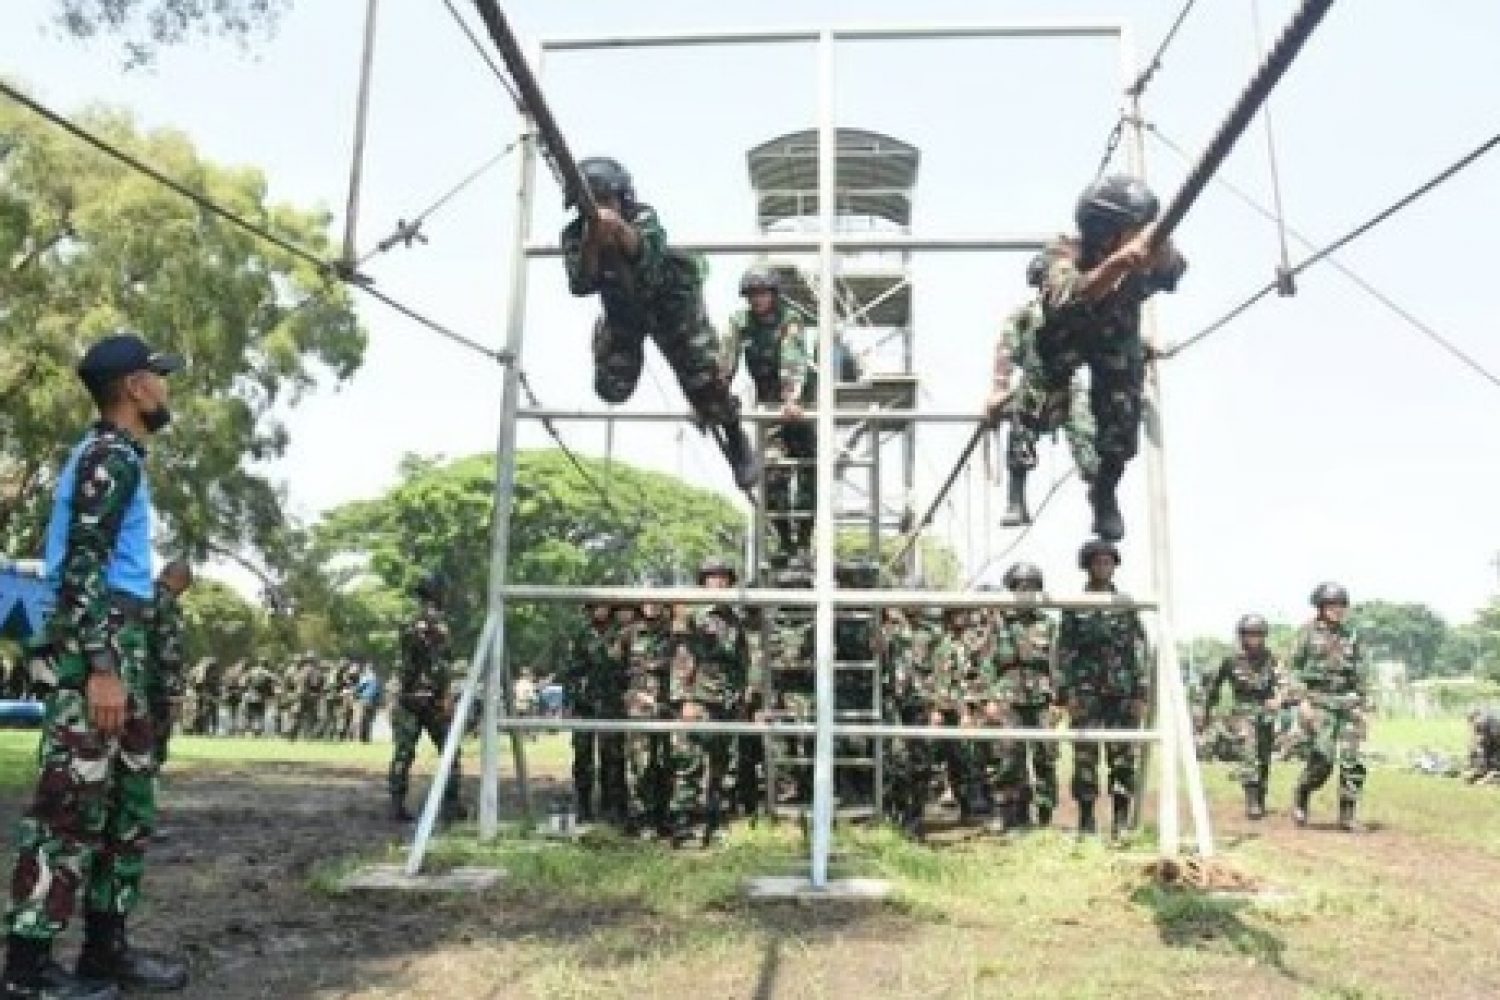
column 1208, row 921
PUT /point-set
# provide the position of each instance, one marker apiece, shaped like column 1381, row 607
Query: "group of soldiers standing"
column 308, row 699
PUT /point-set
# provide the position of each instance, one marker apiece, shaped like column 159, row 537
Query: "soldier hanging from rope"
column 647, row 288
column 1091, row 296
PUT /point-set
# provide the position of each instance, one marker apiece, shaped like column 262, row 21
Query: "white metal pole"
column 825, row 531
column 498, row 686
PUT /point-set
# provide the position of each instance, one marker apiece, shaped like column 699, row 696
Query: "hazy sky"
column 1317, row 437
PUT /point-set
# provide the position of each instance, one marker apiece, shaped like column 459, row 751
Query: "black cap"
column 122, row 354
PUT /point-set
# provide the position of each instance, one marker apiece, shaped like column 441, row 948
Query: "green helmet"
column 717, row 567
column 1023, row 574
column 759, row 279
column 1253, row 625
column 1113, row 204
column 606, row 177
column 1330, row 593
column 1094, row 547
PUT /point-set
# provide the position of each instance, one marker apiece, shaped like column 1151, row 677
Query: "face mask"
column 156, row 419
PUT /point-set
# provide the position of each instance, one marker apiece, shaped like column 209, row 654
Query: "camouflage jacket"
column 713, row 663
column 206, row 678
column 1101, row 653
column 959, row 669
column 165, row 674
column 1327, row 666
column 921, row 663
column 309, row 680
column 109, row 471
column 598, row 671
column 775, row 353
column 425, row 658
column 1024, row 641
column 1113, row 319
column 260, row 685
column 234, row 681
column 631, row 289
column 1016, row 347
column 651, row 645
column 1252, row 682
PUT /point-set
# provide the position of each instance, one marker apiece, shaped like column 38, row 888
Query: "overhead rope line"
column 1345, row 240
column 484, row 54
column 1359, row 281
column 328, row 268
column 407, row 233
column 562, row 446
column 1285, row 284
column 1138, row 87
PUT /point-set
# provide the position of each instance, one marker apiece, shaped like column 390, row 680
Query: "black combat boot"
column 107, row 956
column 1086, row 825
column 1347, row 822
column 1108, row 524
column 399, row 812
column 1119, row 816
column 30, row 974
column 1016, row 514
column 1299, row 807
column 740, row 454
column 1255, row 805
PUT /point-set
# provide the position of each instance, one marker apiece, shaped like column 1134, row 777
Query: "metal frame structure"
column 1171, row 732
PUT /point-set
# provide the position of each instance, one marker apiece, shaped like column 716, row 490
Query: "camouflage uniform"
column 1484, row 747
column 776, row 356
column 164, row 677
column 95, row 802
column 1024, row 640
column 308, row 686
column 331, row 702
column 657, row 295
column 348, row 685
column 709, row 670
column 1256, row 683
column 595, row 683
column 959, row 686
column 1101, row 675
column 1034, row 409
column 423, row 706
column 260, row 692
column 648, row 754
column 204, row 686
column 912, row 645
column 1328, row 677
column 233, row 697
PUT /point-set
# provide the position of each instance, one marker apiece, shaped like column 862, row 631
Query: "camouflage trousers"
column 1104, row 713
column 409, row 720
column 305, row 723
column 1117, row 378
column 206, row 718
column 94, row 808
column 1252, row 734
column 600, row 758
column 1036, row 411
column 1484, row 760
column 649, row 758
column 1026, row 767
column 1332, row 735
column 680, row 326
column 700, row 764
column 791, row 490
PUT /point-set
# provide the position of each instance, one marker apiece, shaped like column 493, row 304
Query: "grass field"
column 263, row 827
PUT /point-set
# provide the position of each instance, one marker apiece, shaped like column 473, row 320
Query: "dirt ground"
column 239, row 884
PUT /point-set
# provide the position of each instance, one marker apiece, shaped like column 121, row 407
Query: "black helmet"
column 1036, row 271
column 1252, row 625
column 1330, row 593
column 1023, row 573
column 430, row 587
column 1112, row 204
column 759, row 279
column 717, row 567
column 606, row 176
column 1092, row 548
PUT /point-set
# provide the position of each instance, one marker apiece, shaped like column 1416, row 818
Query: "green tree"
column 86, row 246
column 146, row 25
column 218, row 622
column 437, row 519
column 1410, row 633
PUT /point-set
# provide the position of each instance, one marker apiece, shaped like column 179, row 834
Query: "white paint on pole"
column 825, row 531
